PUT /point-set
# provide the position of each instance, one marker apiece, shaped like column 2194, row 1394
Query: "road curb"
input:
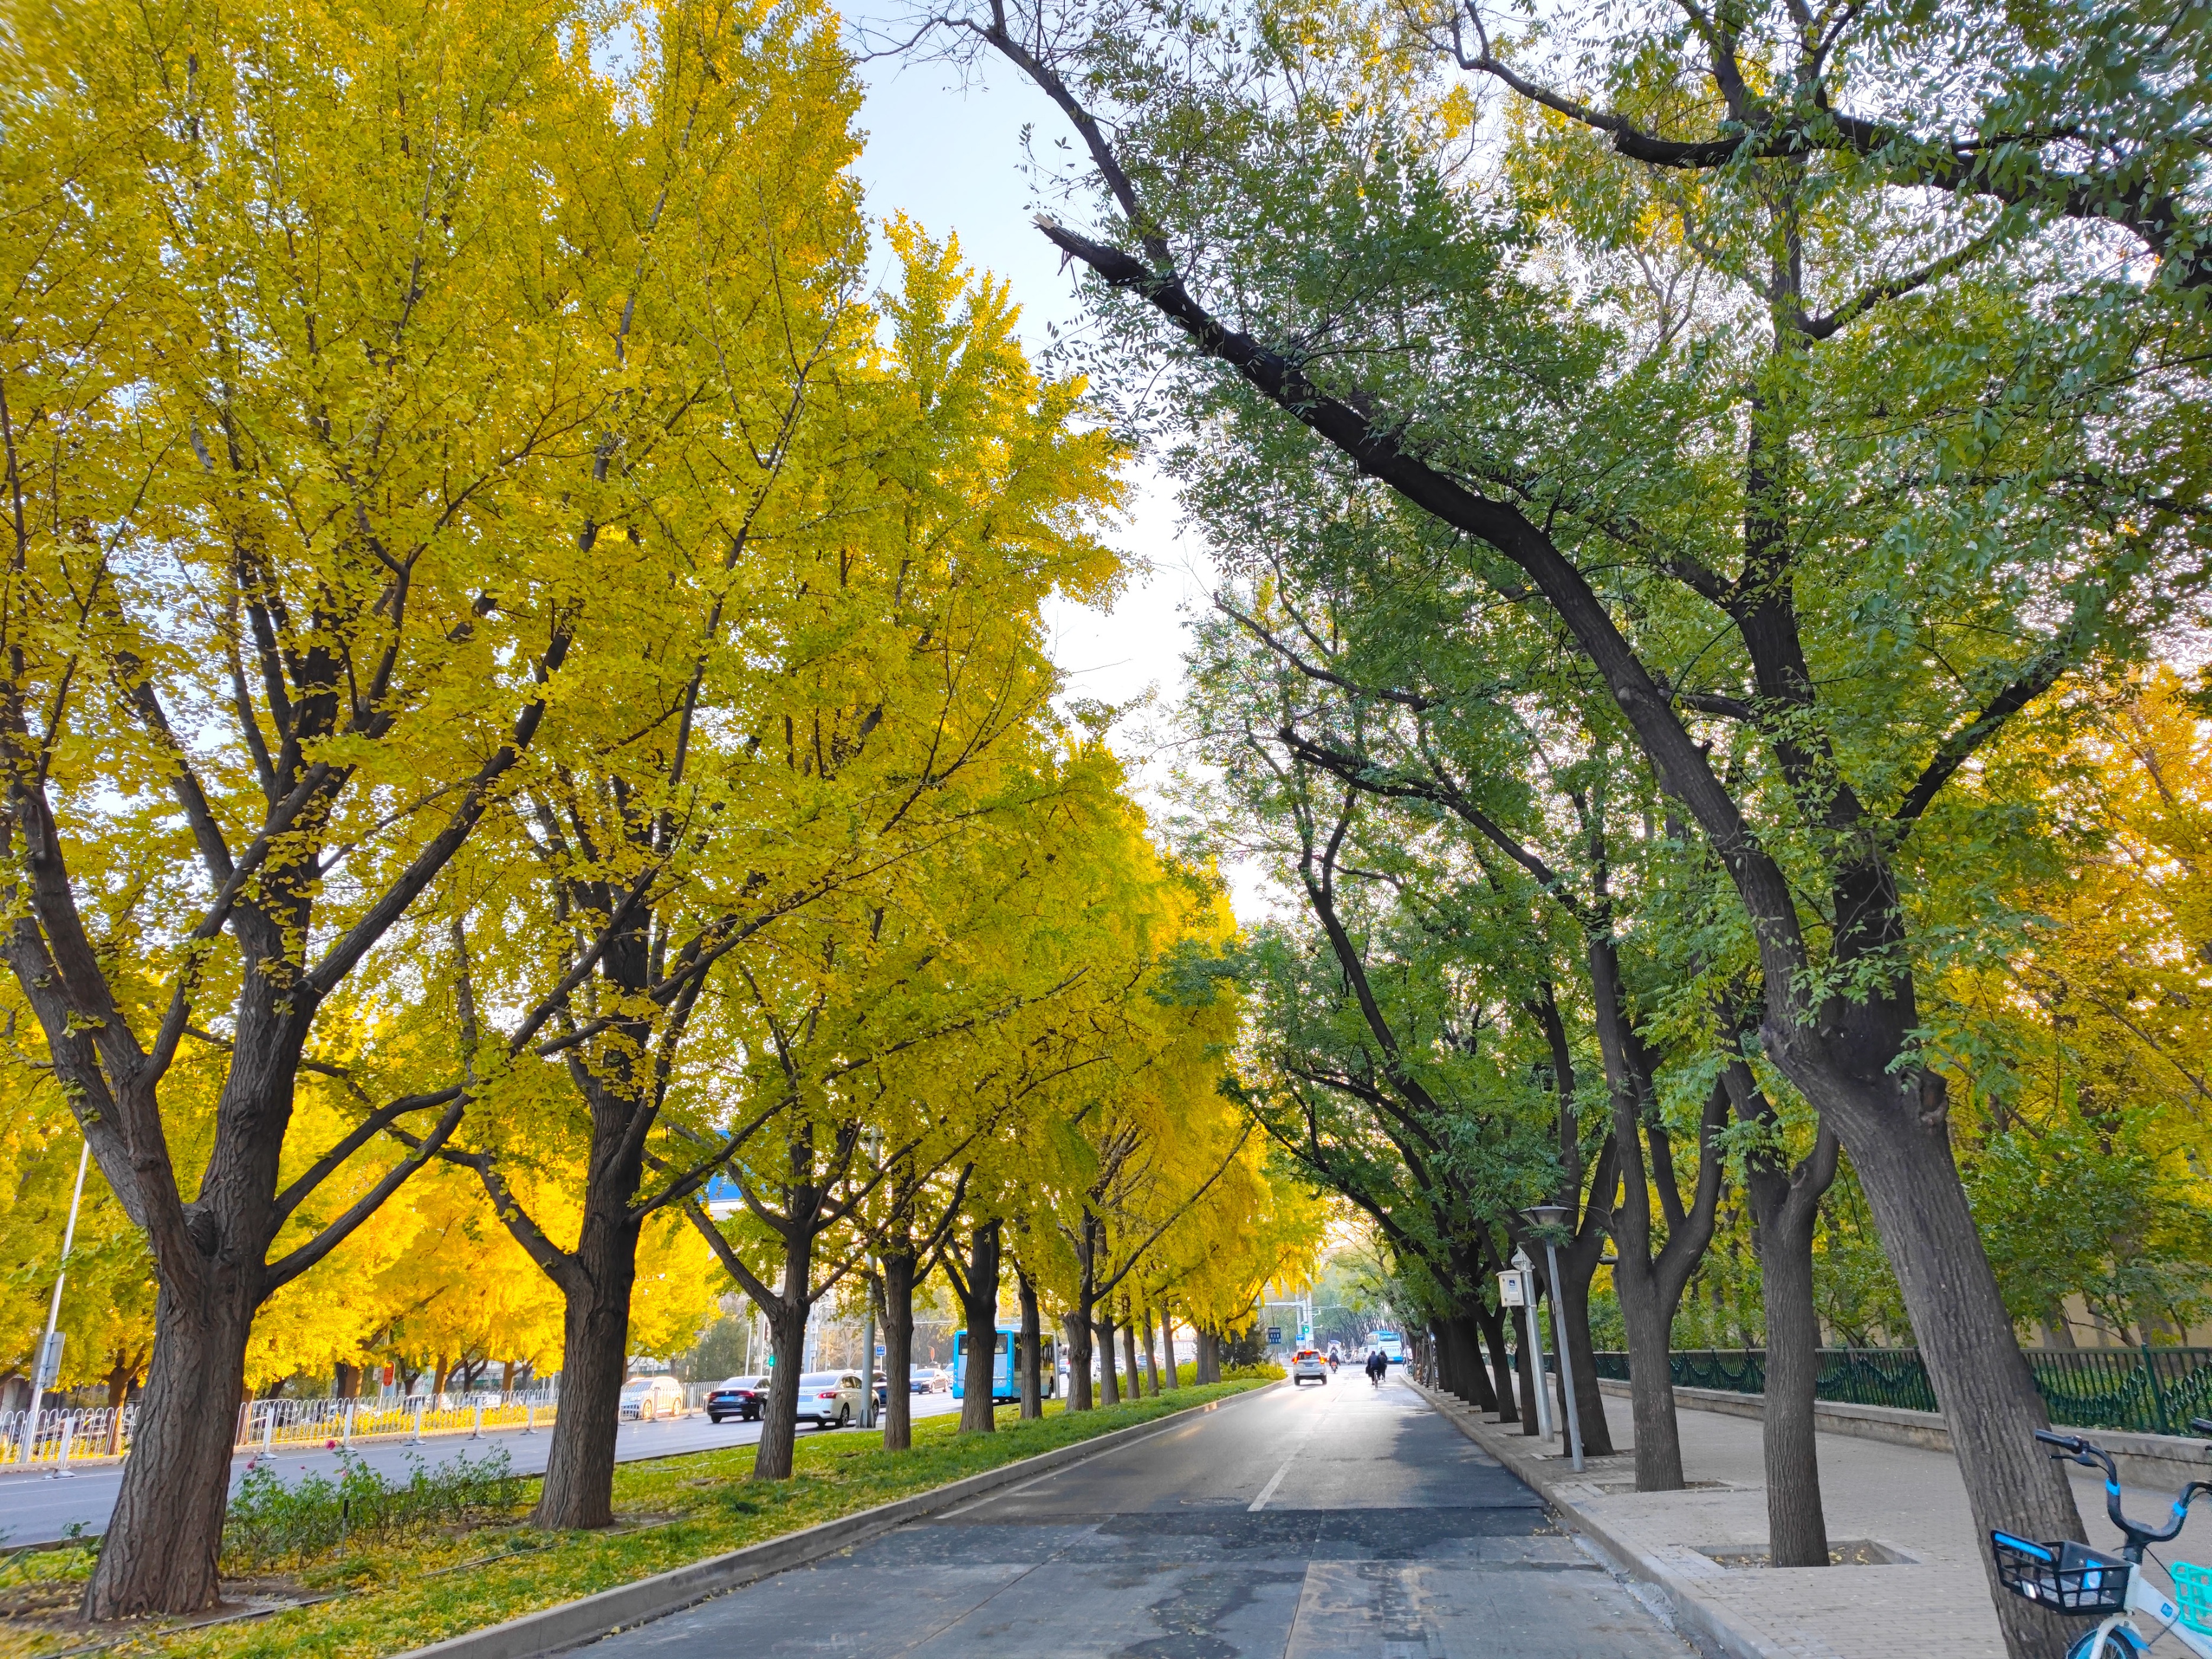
column 572, row 1624
column 1706, row 1626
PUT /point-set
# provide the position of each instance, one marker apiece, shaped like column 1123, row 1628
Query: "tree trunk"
column 1447, row 1361
column 1109, row 1385
column 1075, row 1338
column 1151, row 1360
column 595, row 1292
column 1785, row 1205
column 1524, row 1375
column 1167, row 1346
column 1207, row 1368
column 786, row 1313
column 1901, row 1152
column 1470, row 1382
column 1492, row 1320
column 176, row 1482
column 1031, row 1356
column 1129, row 1353
column 1573, row 1293
column 898, row 1352
column 979, row 1297
column 1797, row 1529
column 1650, row 1282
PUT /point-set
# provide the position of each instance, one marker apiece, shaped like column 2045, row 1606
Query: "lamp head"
column 1547, row 1216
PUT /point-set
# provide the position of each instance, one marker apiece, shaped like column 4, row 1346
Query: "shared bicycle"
column 2069, row 1578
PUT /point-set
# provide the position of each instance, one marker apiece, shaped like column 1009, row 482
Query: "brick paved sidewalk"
column 1929, row 1596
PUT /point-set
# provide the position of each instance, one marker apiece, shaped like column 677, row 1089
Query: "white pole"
column 61, row 1470
column 40, row 1379
column 1539, row 1385
column 868, row 1353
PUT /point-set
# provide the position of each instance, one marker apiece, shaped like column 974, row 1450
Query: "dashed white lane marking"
column 1276, row 1479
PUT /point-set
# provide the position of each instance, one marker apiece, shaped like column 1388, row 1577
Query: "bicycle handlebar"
column 2075, row 1450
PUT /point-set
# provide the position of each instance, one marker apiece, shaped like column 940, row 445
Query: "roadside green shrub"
column 270, row 1523
column 1266, row 1371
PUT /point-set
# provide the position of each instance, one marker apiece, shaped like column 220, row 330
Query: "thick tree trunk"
column 1151, row 1360
column 1031, row 1356
column 1649, row 1316
column 1167, row 1346
column 1129, row 1353
column 1900, row 1148
column 1075, row 1337
column 1207, row 1368
column 595, row 1290
column 176, row 1482
column 898, row 1352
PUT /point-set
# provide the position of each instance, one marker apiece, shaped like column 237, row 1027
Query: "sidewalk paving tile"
column 1932, row 1598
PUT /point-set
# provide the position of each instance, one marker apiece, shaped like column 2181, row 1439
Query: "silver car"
column 645, row 1398
column 830, row 1400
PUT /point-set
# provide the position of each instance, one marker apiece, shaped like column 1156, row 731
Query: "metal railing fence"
column 2144, row 1390
column 265, row 1424
column 60, row 1435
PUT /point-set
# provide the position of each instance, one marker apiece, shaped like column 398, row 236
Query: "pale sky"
column 951, row 162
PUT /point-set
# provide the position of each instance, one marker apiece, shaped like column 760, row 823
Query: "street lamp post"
column 1549, row 1219
column 45, row 1369
column 1523, row 1275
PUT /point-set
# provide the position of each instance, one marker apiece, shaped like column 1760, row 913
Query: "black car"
column 741, row 1397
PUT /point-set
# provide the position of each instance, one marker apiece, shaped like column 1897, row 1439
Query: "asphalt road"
column 1320, row 1522
column 34, row 1508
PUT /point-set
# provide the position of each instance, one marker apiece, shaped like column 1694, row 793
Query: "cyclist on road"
column 1376, row 1365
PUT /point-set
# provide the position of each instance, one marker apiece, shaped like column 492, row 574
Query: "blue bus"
column 1393, row 1348
column 1005, row 1381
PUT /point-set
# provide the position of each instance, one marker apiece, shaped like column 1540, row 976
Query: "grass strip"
column 677, row 1510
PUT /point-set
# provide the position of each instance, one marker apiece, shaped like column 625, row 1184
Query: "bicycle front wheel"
column 2118, row 1644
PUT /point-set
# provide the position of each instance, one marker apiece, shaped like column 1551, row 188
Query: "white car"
column 830, row 1400
column 1307, row 1366
column 645, row 1398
